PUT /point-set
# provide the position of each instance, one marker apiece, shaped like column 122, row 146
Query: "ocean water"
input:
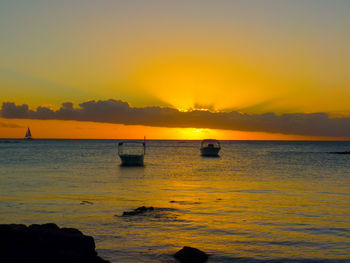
column 259, row 201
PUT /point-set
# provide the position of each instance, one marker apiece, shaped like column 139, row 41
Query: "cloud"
column 9, row 125
column 116, row 111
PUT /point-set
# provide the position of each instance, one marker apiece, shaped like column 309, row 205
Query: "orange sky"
column 252, row 57
column 91, row 130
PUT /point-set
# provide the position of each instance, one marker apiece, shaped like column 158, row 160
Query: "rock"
column 138, row 211
column 191, row 255
column 46, row 243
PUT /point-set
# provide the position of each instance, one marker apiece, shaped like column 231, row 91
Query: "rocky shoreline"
column 48, row 243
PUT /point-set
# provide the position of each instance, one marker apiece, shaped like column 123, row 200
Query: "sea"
column 259, row 201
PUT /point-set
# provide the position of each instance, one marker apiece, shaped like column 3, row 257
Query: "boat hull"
column 131, row 160
column 210, row 151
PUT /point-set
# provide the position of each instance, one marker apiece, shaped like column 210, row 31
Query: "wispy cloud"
column 9, row 125
column 116, row 111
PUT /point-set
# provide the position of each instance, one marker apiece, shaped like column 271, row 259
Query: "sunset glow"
column 89, row 130
column 174, row 131
column 228, row 57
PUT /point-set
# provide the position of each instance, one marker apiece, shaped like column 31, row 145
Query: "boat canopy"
column 131, row 148
column 210, row 143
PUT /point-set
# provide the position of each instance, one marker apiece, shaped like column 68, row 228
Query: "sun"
column 203, row 82
column 195, row 133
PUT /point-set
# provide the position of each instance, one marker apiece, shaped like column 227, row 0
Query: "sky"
column 175, row 69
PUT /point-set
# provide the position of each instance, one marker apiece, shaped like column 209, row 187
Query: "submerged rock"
column 185, row 202
column 8, row 141
column 191, row 255
column 86, row 203
column 346, row 152
column 138, row 211
column 46, row 243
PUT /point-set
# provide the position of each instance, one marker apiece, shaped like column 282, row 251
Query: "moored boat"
column 210, row 147
column 132, row 153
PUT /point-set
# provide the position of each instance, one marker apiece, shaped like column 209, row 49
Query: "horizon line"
column 277, row 140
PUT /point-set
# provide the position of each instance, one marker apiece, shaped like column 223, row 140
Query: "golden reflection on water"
column 242, row 204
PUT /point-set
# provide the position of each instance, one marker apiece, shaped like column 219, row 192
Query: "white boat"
column 28, row 135
column 131, row 153
column 210, row 147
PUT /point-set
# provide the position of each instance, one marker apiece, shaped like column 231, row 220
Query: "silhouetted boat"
column 132, row 153
column 210, row 147
column 28, row 135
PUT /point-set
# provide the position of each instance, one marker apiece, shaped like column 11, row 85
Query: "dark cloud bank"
column 116, row 111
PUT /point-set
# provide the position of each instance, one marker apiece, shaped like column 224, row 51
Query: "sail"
column 28, row 134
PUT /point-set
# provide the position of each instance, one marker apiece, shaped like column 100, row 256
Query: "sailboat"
column 28, row 135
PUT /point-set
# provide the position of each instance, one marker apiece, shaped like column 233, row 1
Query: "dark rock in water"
column 8, row 141
column 191, row 255
column 346, row 152
column 185, row 202
column 46, row 243
column 138, row 211
column 149, row 213
column 86, row 203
